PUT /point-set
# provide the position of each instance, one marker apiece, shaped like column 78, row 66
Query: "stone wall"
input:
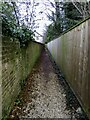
column 17, row 64
column 71, row 52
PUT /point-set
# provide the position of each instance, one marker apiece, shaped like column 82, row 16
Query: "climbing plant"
column 12, row 26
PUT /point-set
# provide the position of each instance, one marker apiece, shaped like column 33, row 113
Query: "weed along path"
column 44, row 96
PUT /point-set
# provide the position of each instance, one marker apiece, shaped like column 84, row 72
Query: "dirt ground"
column 44, row 96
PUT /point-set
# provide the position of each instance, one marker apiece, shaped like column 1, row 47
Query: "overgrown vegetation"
column 14, row 25
column 19, row 18
column 64, row 16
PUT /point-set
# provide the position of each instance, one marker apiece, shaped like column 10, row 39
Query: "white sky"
column 44, row 20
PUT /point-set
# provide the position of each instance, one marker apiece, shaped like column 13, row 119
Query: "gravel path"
column 43, row 95
column 48, row 98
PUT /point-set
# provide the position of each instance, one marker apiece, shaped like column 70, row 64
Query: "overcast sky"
column 43, row 22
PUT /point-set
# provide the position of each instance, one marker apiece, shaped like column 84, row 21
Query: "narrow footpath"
column 43, row 96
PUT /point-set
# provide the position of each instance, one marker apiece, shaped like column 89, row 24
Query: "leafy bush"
column 11, row 28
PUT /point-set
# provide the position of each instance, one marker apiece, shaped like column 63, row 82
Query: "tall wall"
column 0, row 77
column 71, row 52
column 17, row 64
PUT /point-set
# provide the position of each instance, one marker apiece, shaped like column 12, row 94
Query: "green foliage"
column 64, row 18
column 71, row 12
column 10, row 26
column 53, row 31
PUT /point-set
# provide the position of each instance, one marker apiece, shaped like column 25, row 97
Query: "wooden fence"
column 71, row 52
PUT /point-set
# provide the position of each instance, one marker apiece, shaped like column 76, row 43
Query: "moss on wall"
column 17, row 64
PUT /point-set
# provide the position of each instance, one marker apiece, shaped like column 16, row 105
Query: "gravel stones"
column 47, row 96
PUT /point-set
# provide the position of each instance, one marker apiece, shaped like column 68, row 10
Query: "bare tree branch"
column 77, row 7
column 14, row 6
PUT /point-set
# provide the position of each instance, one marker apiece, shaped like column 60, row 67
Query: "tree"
column 16, row 25
column 71, row 12
column 29, row 16
column 82, row 7
column 64, row 16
